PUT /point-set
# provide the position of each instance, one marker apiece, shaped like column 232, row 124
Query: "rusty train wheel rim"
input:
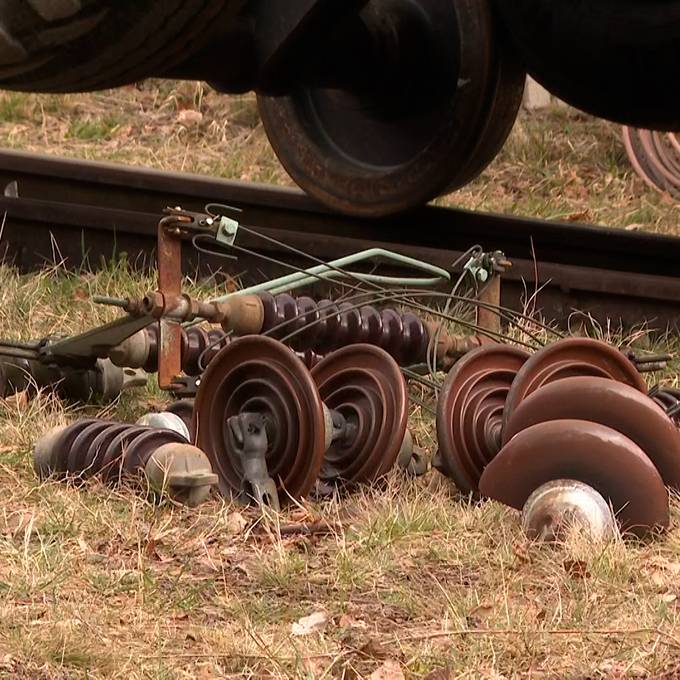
column 256, row 372
column 587, row 452
column 363, row 383
column 570, row 358
column 469, row 410
column 610, row 403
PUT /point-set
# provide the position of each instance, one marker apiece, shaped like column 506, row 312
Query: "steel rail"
column 67, row 209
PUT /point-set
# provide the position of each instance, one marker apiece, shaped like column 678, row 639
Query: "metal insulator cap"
column 165, row 421
column 555, row 508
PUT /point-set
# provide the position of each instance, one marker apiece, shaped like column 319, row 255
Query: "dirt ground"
column 409, row 581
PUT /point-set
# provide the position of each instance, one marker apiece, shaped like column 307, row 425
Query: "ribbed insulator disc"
column 470, row 411
column 610, row 403
column 65, row 444
column 258, row 374
column 365, row 385
column 587, row 452
column 655, row 156
column 113, row 459
column 566, row 359
column 137, row 452
column 91, row 459
column 78, row 463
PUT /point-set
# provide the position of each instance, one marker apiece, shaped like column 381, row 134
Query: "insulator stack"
column 325, row 326
column 199, row 347
column 556, row 433
column 118, row 451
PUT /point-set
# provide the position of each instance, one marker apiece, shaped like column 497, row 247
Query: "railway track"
column 74, row 211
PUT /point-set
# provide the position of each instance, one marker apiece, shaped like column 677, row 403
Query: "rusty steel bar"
column 170, row 286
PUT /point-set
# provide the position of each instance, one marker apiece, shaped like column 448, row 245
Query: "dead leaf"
column 390, row 670
column 669, row 597
column 189, row 116
column 236, row 523
column 314, row 623
column 576, row 568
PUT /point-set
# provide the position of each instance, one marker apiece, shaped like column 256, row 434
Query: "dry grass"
column 412, row 580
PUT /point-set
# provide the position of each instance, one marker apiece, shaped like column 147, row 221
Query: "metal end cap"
column 45, row 450
column 562, row 505
column 165, row 421
column 181, row 471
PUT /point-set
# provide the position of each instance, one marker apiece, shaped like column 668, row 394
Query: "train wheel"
column 79, row 45
column 616, row 59
column 385, row 147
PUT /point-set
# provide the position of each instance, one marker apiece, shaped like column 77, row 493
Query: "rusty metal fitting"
column 242, row 314
column 451, row 348
column 557, row 508
column 153, row 304
column 117, row 452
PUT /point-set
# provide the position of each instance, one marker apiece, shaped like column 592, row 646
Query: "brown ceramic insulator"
column 195, row 353
column 60, row 459
column 667, row 398
column 587, row 452
column 470, row 412
column 610, row 403
column 329, row 326
column 655, row 156
column 195, row 343
column 364, row 384
column 98, row 447
column 566, row 359
column 258, row 374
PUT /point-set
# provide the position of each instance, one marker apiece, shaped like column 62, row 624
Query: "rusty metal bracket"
column 177, row 225
column 487, row 269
